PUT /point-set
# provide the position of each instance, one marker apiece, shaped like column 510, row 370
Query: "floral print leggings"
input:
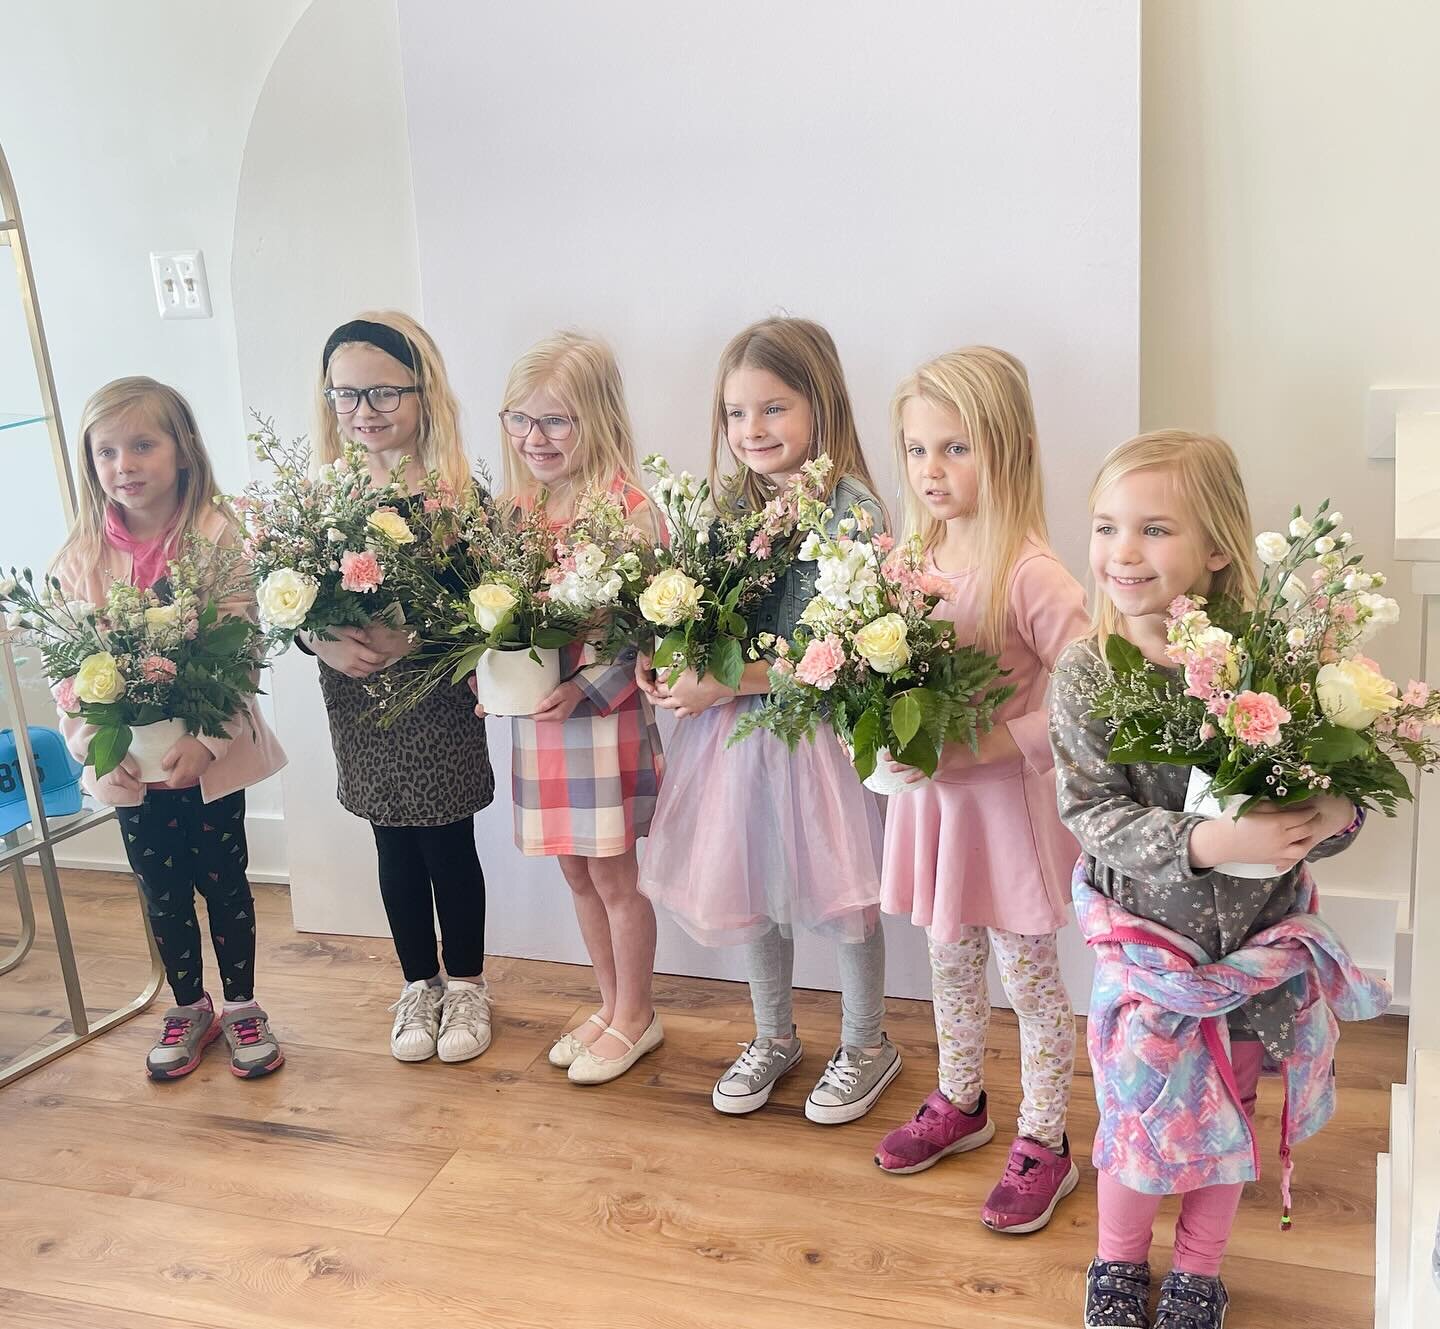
column 1030, row 973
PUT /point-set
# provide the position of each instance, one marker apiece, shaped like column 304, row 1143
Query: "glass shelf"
column 16, row 421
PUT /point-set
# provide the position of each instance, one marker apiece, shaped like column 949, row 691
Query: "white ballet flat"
column 567, row 1047
column 587, row 1068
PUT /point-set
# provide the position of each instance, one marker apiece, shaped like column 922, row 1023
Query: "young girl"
column 1176, row 1085
column 146, row 484
column 977, row 856
column 752, row 840
column 585, row 768
column 419, row 783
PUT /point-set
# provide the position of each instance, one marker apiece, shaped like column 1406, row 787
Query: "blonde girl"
column 586, row 764
column 145, row 485
column 419, row 783
column 751, row 841
column 977, row 856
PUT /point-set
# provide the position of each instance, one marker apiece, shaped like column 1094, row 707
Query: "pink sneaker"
column 937, row 1130
column 1036, row 1180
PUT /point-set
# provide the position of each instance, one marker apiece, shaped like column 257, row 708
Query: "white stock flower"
column 847, row 576
column 589, row 559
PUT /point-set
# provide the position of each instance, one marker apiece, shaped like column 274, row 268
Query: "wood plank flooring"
column 350, row 1191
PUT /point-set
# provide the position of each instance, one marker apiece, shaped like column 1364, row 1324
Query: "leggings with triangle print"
column 178, row 844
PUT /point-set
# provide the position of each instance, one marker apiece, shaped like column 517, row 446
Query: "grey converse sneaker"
column 464, row 1021
column 186, row 1033
column 1117, row 1295
column 747, row 1084
column 417, row 1021
column 852, row 1083
column 254, row 1050
column 1191, row 1301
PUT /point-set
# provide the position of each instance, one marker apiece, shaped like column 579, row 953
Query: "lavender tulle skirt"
column 754, row 835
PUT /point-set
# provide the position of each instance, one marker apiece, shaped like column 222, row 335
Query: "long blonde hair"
column 169, row 413
column 802, row 355
column 582, row 372
column 440, row 447
column 989, row 392
column 1206, row 477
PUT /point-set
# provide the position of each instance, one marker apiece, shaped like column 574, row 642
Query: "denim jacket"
column 780, row 610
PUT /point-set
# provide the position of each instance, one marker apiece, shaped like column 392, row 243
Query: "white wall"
column 916, row 178
column 123, row 128
column 1289, row 263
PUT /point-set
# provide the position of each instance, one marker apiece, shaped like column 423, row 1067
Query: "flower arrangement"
column 318, row 543
column 1277, row 703
column 142, row 657
column 868, row 659
column 705, row 583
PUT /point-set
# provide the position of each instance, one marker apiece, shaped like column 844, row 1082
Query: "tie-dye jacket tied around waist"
column 1170, row 1113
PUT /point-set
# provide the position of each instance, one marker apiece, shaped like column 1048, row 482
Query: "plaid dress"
column 587, row 785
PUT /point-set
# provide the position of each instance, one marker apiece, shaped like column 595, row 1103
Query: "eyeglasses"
column 344, row 400
column 556, row 428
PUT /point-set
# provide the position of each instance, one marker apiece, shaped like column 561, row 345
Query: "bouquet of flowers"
column 317, row 543
column 869, row 660
column 483, row 583
column 716, row 568
column 1276, row 703
column 142, row 660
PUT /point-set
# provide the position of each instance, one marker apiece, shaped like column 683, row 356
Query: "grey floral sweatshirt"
column 1135, row 838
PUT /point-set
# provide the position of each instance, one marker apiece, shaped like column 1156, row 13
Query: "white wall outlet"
column 181, row 290
column 1382, row 405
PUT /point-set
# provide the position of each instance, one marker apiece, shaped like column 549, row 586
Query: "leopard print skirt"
column 431, row 767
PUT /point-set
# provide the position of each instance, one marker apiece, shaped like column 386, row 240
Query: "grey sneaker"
column 852, row 1083
column 417, row 1021
column 1117, row 1295
column 186, row 1033
column 747, row 1084
column 1191, row 1301
column 464, row 1021
column 254, row 1050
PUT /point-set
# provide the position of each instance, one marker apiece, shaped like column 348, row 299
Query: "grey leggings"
column 771, row 962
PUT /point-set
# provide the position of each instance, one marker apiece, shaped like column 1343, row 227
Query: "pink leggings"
column 1127, row 1218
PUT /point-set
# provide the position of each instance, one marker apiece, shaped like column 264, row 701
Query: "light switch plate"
column 181, row 290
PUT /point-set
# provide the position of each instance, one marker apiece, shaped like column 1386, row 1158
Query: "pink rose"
column 1417, row 694
column 360, row 572
column 1255, row 718
column 157, row 669
column 824, row 658
column 1412, row 728
column 65, row 696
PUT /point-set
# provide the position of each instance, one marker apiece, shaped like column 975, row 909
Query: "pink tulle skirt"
column 754, row 835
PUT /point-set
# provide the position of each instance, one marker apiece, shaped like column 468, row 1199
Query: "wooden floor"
column 349, row 1191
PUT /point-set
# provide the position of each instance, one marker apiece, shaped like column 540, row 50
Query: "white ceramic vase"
column 1198, row 798
column 512, row 683
column 882, row 780
column 148, row 745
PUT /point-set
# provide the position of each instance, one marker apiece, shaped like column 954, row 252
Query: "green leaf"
column 867, row 738
column 664, row 653
column 920, row 753
column 1123, row 656
column 1330, row 743
column 552, row 639
column 905, row 718
column 108, row 747
column 727, row 661
column 466, row 663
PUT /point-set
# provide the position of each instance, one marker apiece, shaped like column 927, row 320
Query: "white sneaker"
column 417, row 1021
column 464, row 1020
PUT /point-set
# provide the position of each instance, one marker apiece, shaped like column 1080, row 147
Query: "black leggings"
column 178, row 844
column 429, row 870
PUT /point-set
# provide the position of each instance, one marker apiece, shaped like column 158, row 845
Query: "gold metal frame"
column 14, row 851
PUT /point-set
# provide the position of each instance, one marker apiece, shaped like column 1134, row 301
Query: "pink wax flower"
column 823, row 660
column 360, row 572
column 1255, row 718
column 157, row 669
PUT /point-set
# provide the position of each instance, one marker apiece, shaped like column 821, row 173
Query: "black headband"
column 379, row 335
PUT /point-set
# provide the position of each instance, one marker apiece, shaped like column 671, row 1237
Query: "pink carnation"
column 1255, row 718
column 1417, row 694
column 65, row 696
column 360, row 572
column 823, row 660
column 157, row 669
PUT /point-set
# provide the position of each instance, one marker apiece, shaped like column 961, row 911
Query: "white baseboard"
column 100, row 849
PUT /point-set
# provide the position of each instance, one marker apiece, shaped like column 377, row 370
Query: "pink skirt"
column 751, row 836
column 985, row 850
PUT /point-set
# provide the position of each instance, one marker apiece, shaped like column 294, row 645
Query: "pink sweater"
column 250, row 752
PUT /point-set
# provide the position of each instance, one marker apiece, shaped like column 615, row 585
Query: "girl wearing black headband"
column 420, row 782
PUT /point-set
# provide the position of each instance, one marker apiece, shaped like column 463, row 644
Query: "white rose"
column 491, row 601
column 1352, row 694
column 1325, row 544
column 671, row 599
column 884, row 643
column 1272, row 547
column 285, row 597
column 1300, row 528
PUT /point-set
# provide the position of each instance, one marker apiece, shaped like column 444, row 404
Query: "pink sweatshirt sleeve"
column 1049, row 612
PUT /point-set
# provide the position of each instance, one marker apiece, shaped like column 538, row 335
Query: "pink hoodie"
column 250, row 752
